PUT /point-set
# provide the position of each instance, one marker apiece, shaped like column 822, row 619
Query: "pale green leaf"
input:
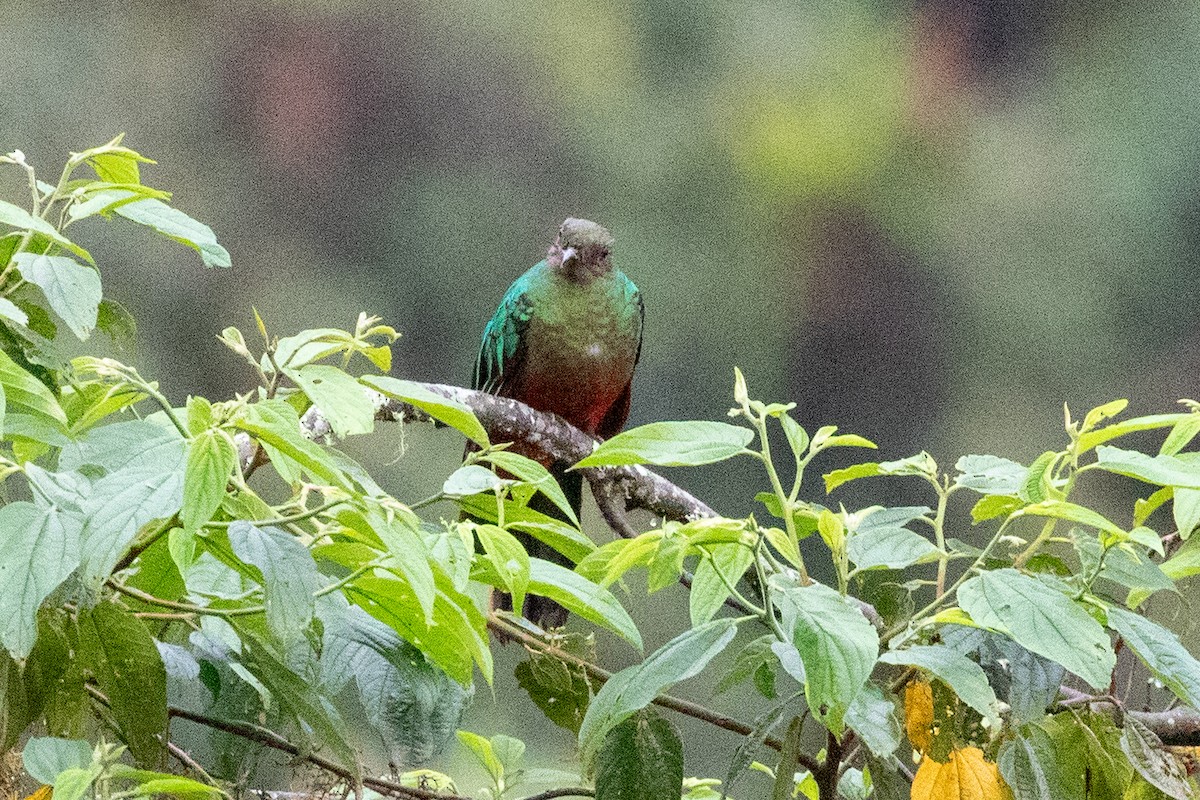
column 990, row 475
column 671, row 444
column 174, row 224
column 341, row 398
column 451, row 412
column 1161, row 651
column 71, row 289
column 38, row 550
column 288, row 577
column 960, row 673
column 211, row 460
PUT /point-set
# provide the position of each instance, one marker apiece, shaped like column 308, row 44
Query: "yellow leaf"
column 966, row 776
column 42, row 793
column 918, row 714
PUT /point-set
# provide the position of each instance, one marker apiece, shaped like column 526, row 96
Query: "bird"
column 565, row 340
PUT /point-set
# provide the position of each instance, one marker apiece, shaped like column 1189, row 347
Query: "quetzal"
column 565, row 340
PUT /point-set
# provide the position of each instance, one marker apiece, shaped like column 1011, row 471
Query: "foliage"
column 222, row 562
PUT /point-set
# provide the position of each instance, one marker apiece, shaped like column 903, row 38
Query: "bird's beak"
column 568, row 253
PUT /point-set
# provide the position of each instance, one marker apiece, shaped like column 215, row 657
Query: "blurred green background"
column 931, row 223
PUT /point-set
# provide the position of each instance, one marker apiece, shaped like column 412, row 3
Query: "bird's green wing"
column 501, row 352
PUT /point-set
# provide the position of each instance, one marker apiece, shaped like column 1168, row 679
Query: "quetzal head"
column 581, row 250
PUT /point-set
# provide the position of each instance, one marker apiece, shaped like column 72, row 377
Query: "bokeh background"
column 931, row 223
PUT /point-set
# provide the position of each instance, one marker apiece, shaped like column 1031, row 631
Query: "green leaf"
column 73, row 783
column 1101, row 413
column 276, row 423
column 10, row 310
column 1092, row 438
column 451, row 412
column 287, row 573
column 562, row 692
column 881, row 540
column 763, row 725
column 115, row 320
column 1022, row 770
column 873, row 716
column 509, row 560
column 1185, row 510
column 39, row 549
column 671, row 444
column 531, row 472
column 836, row 478
column 990, row 475
column 582, row 597
column 341, row 398
column 300, row 699
column 18, row 217
column 836, row 643
column 211, row 460
column 456, row 640
column 481, row 748
column 1061, row 509
column 709, row 591
column 400, row 537
column 992, row 506
column 119, row 165
column 24, row 391
column 849, row 440
column 1042, row 620
column 1181, row 435
column 1160, row 768
column 633, row 688
column 1160, row 470
column 960, row 673
column 1160, row 650
column 122, row 655
column 469, row 480
column 71, row 289
column 641, row 759
column 413, row 706
column 44, row 757
column 176, row 225
column 797, row 437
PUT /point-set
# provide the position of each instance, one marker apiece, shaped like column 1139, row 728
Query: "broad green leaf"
column 1181, row 435
column 18, row 217
column 1101, row 413
column 1185, row 562
column 22, row 390
column 1160, row 470
column 38, row 550
column 211, row 460
column 451, row 412
column 836, row 643
column 671, row 444
column 641, row 759
column 118, row 165
column 481, row 748
column 1163, row 770
column 561, row 691
column 994, row 505
column 413, row 706
column 1037, row 486
column 73, row 783
column 1161, row 651
column 881, row 540
column 582, row 597
column 456, row 640
column 873, row 716
column 174, row 224
column 849, row 440
column 288, row 577
column 797, row 437
column 154, row 784
column 608, row 563
column 1092, row 438
column 300, row 698
column 1186, row 511
column 1027, row 681
column 530, row 471
column 1061, row 509
column 753, row 657
column 1020, row 765
column 633, row 688
column 44, row 757
column 469, row 480
column 556, row 533
column 71, row 289
column 121, row 654
column 990, row 475
column 1043, row 620
column 960, row 673
column 10, row 310
column 837, row 477
column 400, row 537
column 341, row 398
column 709, row 590
column 115, row 320
column 125, row 500
column 276, row 423
column 509, row 560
